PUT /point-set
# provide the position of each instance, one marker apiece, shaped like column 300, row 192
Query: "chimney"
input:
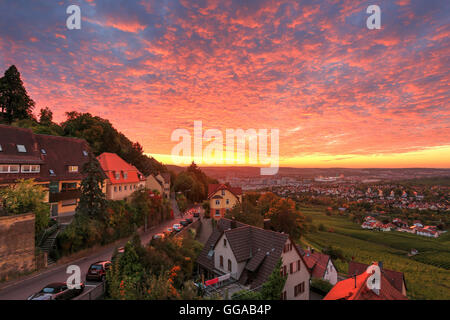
column 267, row 224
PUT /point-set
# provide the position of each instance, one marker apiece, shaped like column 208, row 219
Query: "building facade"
column 53, row 162
column 222, row 198
column 122, row 179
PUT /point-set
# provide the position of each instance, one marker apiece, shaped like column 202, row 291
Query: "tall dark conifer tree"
column 15, row 103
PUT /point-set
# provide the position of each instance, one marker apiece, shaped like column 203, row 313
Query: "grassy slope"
column 427, row 274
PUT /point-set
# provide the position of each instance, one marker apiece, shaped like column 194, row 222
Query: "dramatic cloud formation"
column 341, row 95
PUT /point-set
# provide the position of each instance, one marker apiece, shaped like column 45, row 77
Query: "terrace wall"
column 17, row 249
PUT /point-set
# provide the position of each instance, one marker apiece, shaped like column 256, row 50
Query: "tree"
column 25, row 197
column 46, row 116
column 92, row 201
column 15, row 103
column 284, row 217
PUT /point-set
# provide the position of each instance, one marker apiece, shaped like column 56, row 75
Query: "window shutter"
column 291, row 268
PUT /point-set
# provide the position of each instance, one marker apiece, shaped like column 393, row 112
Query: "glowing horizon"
column 340, row 94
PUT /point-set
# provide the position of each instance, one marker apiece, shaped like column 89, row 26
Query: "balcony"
column 64, row 195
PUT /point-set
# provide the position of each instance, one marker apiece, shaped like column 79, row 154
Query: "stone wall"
column 17, row 250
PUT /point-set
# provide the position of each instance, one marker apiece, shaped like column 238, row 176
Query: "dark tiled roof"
column 316, row 262
column 60, row 152
column 396, row 278
column 261, row 248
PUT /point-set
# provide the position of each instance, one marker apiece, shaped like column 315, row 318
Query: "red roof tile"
column 111, row 164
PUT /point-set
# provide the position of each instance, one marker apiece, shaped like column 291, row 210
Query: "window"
column 117, row 174
column 52, row 172
column 217, row 212
column 85, row 153
column 43, row 151
column 26, row 168
column 120, row 188
column 125, row 188
column 224, row 242
column 223, row 192
column 1, row 148
column 229, row 265
column 9, row 168
column 299, row 264
column 221, row 261
column 291, row 268
column 68, row 186
column 283, row 295
column 125, row 175
column 73, row 168
column 299, row 289
column 228, row 201
column 115, row 189
column 21, row 148
column 284, row 271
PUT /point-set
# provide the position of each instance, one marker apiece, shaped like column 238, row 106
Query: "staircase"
column 49, row 243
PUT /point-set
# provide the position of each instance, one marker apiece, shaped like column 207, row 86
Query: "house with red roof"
column 122, row 178
column 222, row 198
column 359, row 287
column 396, row 278
column 320, row 265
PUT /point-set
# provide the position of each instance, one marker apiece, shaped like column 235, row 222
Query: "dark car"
column 196, row 214
column 169, row 231
column 158, row 236
column 184, row 223
column 189, row 220
column 97, row 271
column 57, row 291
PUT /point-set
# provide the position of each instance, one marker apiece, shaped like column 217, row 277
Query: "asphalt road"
column 20, row 290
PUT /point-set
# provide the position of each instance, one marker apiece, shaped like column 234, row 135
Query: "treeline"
column 282, row 212
column 17, row 109
column 192, row 184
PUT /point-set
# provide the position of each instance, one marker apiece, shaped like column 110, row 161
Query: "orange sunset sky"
column 340, row 94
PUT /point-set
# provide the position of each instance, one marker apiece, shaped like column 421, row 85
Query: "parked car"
column 168, row 231
column 97, row 271
column 57, row 291
column 158, row 236
column 189, row 220
column 196, row 214
column 177, row 227
column 184, row 223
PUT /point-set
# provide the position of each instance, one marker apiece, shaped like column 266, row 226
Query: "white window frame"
column 32, row 168
column 9, row 168
column 21, row 148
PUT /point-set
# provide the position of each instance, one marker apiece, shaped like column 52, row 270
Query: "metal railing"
column 92, row 293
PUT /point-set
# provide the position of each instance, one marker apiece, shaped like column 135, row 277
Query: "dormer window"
column 1, row 148
column 43, row 151
column 125, row 175
column 52, row 172
column 223, row 192
column 117, row 174
column 85, row 153
column 73, row 169
column 21, row 148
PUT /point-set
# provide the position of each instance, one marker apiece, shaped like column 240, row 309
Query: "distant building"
column 355, row 288
column 122, row 178
column 53, row 162
column 246, row 256
column 222, row 199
